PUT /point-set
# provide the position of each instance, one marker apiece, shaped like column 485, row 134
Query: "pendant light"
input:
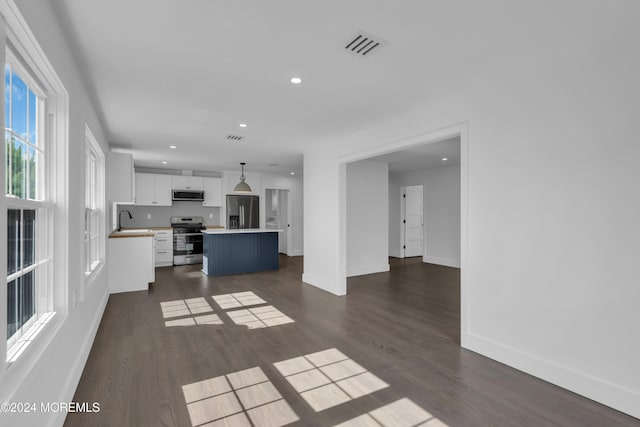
column 242, row 187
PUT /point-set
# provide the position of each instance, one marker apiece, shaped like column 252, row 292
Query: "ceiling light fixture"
column 444, row 159
column 292, row 173
column 164, row 163
column 173, row 147
column 242, row 187
column 296, row 80
column 243, row 125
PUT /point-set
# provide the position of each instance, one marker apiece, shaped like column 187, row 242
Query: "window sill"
column 19, row 347
column 90, row 276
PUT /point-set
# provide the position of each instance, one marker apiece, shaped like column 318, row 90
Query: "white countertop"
column 238, row 231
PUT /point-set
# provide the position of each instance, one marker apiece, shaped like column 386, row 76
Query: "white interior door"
column 271, row 209
column 413, row 221
column 277, row 216
column 283, row 219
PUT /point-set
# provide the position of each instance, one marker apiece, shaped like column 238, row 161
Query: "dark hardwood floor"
column 401, row 326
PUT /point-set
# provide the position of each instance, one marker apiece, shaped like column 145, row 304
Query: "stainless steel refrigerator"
column 242, row 212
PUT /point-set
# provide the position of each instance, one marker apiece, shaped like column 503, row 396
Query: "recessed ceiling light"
column 173, row 147
column 296, row 80
column 292, row 173
column 164, row 163
column 444, row 159
column 243, row 125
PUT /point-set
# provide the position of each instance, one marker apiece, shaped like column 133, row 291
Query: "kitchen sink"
column 134, row 231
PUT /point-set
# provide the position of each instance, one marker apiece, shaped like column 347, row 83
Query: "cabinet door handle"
column 161, row 252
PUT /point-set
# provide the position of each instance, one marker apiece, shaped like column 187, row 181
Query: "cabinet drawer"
column 164, row 243
column 164, row 255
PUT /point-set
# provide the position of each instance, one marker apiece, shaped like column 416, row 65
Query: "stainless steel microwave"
column 190, row 195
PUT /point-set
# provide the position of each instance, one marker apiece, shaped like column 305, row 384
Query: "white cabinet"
column 185, row 182
column 121, row 178
column 212, row 192
column 163, row 247
column 145, row 189
column 153, row 189
column 163, row 190
column 131, row 266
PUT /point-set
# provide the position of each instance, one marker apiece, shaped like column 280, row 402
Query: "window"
column 28, row 210
column 94, row 230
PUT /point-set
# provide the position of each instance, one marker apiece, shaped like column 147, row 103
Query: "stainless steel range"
column 187, row 239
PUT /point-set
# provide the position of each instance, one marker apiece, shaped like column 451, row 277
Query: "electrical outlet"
column 148, row 216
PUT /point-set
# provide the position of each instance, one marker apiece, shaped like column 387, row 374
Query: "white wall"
column 441, row 209
column 323, row 232
column 53, row 376
column 367, row 217
column 550, row 255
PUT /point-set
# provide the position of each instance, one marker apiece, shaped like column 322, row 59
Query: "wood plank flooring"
column 386, row 354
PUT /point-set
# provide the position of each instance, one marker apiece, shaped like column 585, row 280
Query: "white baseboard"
column 68, row 389
column 359, row 270
column 447, row 262
column 613, row 395
column 396, row 253
column 321, row 283
column 295, row 252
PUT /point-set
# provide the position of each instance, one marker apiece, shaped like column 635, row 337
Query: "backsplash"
column 161, row 215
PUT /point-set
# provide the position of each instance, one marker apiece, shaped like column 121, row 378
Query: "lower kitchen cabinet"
column 163, row 247
column 130, row 263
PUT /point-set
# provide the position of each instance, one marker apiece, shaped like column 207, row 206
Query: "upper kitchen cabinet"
column 121, row 178
column 185, row 182
column 212, row 192
column 153, row 189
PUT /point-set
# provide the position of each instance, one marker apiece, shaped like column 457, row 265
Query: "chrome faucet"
column 119, row 218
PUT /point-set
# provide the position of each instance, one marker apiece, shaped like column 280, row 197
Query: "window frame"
column 43, row 258
column 94, row 208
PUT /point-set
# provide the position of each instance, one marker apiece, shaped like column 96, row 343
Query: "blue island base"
column 243, row 252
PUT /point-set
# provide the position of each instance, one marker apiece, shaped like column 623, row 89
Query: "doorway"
column 412, row 227
column 277, row 214
column 406, row 149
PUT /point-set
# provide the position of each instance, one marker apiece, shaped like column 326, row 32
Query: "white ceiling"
column 427, row 156
column 186, row 73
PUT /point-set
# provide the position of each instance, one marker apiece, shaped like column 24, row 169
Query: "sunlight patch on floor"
column 242, row 398
column 184, row 307
column 238, row 299
column 189, row 307
column 328, row 378
column 259, row 317
column 401, row 413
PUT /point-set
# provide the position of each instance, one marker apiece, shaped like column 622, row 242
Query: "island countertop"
column 240, row 230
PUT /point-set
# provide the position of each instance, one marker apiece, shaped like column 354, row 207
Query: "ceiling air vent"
column 364, row 44
column 234, row 138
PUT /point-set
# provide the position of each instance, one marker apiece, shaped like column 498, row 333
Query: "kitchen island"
column 233, row 251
